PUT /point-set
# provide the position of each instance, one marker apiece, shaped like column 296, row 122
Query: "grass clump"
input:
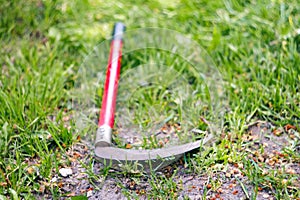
column 254, row 44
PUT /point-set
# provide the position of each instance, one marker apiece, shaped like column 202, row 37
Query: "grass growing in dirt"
column 254, row 44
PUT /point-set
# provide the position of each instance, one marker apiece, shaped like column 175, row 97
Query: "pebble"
column 65, row 172
column 240, row 166
column 53, row 180
column 89, row 193
column 265, row 196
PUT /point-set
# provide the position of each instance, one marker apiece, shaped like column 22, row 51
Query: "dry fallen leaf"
column 72, row 194
column 284, row 182
column 42, row 189
column 60, row 184
column 78, row 138
column 277, row 132
column 142, row 191
column 3, row 184
column 292, row 136
column 261, row 159
column 72, row 159
column 240, row 165
column 271, row 162
column 290, row 171
column 30, row 170
column 77, row 155
column 235, row 192
column 160, row 143
column 288, row 127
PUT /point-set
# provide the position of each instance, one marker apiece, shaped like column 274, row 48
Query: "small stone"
column 42, row 189
column 261, row 159
column 265, row 172
column 30, row 170
column 81, row 176
column 161, row 143
column 290, row 171
column 271, row 162
column 89, row 193
column 265, row 196
column 65, row 172
column 284, row 181
column 53, row 180
column 228, row 175
column 292, row 136
column 66, row 118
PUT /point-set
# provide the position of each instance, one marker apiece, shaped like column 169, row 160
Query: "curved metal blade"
column 154, row 158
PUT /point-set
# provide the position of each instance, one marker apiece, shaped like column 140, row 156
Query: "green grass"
column 254, row 44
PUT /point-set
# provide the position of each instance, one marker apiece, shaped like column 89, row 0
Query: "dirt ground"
column 82, row 182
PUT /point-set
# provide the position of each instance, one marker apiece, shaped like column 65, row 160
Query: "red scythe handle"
column 106, row 118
